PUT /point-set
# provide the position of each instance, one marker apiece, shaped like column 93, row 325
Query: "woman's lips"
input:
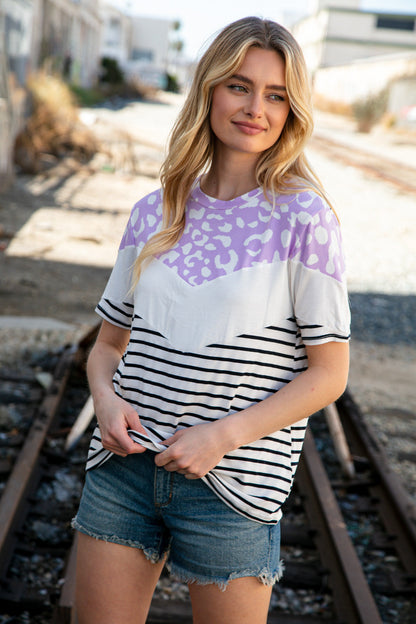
column 248, row 128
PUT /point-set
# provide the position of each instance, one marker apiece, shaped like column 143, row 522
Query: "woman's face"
column 249, row 110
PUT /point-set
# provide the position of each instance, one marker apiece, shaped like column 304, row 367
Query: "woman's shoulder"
column 145, row 219
column 151, row 202
column 299, row 195
column 305, row 204
column 148, row 210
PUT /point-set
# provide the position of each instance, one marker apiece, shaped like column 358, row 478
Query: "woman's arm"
column 322, row 383
column 197, row 450
column 114, row 415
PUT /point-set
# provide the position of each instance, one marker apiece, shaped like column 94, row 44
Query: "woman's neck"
column 226, row 180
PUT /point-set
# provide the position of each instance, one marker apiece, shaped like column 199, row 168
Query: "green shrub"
column 111, row 71
column 172, row 83
column 87, row 97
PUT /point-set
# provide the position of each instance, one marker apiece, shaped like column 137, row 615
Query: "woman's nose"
column 254, row 105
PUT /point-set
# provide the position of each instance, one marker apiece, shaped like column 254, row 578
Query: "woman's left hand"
column 193, row 451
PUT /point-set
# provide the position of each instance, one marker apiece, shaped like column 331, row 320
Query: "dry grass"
column 53, row 129
column 369, row 111
column 331, row 106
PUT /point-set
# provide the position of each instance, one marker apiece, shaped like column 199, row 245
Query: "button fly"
column 163, row 486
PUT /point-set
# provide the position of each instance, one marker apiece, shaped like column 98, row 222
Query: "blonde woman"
column 225, row 326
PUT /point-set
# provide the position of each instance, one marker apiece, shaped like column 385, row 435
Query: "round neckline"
column 221, row 204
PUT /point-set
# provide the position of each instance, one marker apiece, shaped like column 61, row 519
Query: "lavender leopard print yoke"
column 220, row 322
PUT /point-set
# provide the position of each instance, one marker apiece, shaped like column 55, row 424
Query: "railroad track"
column 378, row 166
column 348, row 542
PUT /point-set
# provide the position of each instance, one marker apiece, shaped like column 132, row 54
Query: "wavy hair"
column 282, row 168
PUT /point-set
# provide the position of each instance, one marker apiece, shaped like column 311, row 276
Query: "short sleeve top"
column 220, row 322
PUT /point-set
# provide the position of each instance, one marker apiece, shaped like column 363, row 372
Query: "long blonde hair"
column 282, row 168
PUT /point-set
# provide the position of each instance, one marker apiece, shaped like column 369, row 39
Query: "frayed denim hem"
column 264, row 576
column 270, row 579
column 150, row 553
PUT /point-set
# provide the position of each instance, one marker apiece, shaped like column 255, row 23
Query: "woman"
column 225, row 325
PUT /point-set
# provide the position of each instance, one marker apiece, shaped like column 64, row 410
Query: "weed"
column 369, row 110
column 52, row 130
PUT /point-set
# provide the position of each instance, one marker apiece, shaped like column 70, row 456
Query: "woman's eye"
column 275, row 97
column 238, row 88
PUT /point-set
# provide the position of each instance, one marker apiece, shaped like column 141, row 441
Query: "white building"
column 115, row 34
column 15, row 63
column 66, row 34
column 62, row 35
column 365, row 77
column 338, row 32
column 150, row 49
column 140, row 45
column 17, row 36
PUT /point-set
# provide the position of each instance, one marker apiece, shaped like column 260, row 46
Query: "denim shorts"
column 131, row 501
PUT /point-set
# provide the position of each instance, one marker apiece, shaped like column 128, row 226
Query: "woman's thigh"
column 114, row 583
column 244, row 601
column 122, row 543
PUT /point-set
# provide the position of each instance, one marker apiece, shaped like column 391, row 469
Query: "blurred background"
column 361, row 53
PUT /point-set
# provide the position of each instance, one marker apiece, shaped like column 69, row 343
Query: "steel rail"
column 353, row 600
column 389, row 496
column 25, row 472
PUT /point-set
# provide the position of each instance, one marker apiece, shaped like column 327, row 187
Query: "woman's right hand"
column 115, row 416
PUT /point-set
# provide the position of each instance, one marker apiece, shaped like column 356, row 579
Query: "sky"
column 200, row 20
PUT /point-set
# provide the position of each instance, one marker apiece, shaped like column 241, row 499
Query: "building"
column 150, row 50
column 66, row 37
column 140, row 45
column 17, row 36
column 60, row 35
column 338, row 32
column 63, row 34
column 15, row 63
column 116, row 32
column 146, row 49
column 379, row 82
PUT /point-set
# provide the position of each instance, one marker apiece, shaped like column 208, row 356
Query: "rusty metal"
column 389, row 496
column 354, row 602
column 65, row 611
column 25, row 472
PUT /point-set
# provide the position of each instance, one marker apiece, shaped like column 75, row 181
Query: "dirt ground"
column 59, row 230
column 58, row 257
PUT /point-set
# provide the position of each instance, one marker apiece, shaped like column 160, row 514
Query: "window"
column 395, row 23
column 138, row 54
column 113, row 33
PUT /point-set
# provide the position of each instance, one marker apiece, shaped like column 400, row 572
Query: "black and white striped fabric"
column 205, row 344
